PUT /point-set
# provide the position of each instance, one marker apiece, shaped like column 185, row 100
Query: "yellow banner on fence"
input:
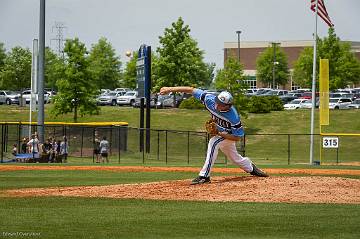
column 324, row 92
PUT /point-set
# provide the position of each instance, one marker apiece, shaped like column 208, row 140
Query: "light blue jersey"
column 228, row 121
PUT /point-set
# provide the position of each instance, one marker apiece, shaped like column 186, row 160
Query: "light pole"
column 238, row 33
column 274, row 62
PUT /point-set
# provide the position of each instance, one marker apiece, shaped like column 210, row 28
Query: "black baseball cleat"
column 258, row 172
column 200, row 180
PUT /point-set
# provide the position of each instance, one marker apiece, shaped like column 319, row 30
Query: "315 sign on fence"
column 331, row 142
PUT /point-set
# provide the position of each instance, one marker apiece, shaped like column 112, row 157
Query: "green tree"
column 2, row 62
column 180, row 59
column 76, row 89
column 210, row 74
column 265, row 63
column 231, row 78
column 54, row 68
column 2, row 55
column 129, row 80
column 105, row 65
column 16, row 72
column 344, row 67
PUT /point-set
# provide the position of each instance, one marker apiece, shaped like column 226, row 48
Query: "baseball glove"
column 211, row 127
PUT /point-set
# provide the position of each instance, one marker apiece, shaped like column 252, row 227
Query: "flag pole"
column 313, row 89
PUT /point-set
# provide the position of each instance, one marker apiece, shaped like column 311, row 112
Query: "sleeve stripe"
column 202, row 97
column 237, row 126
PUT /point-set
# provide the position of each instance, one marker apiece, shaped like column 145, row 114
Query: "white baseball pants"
column 228, row 147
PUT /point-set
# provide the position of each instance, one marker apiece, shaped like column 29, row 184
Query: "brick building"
column 249, row 51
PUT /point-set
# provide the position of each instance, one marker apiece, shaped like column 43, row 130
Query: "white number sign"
column 331, row 142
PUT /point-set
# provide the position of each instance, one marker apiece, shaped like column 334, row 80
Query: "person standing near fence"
column 34, row 147
column 97, row 146
column 229, row 130
column 64, row 149
column 104, row 150
column 58, row 156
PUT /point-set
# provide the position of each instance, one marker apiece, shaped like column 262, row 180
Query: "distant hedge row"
column 254, row 104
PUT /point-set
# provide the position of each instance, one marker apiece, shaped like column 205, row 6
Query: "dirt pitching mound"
column 271, row 171
column 310, row 189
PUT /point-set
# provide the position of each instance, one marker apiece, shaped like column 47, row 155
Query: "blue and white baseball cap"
column 224, row 98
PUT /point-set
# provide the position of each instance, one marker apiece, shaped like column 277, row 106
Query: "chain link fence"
column 176, row 147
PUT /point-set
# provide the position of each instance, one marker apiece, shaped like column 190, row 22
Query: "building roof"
column 250, row 50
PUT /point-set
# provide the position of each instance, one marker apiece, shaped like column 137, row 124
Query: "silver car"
column 354, row 105
column 26, row 94
column 339, row 103
column 127, row 99
column 109, row 98
column 9, row 97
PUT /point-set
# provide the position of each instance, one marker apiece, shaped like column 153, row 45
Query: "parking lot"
column 297, row 99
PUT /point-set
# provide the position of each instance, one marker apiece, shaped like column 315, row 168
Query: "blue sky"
column 129, row 23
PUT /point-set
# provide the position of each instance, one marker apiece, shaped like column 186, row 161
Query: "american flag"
column 321, row 11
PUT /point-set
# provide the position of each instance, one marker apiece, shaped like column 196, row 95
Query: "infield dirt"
column 286, row 189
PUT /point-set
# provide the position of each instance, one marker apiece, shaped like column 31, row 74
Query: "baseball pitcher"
column 225, row 129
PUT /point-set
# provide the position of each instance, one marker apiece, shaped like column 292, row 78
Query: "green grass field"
column 72, row 217
column 110, row 218
column 280, row 122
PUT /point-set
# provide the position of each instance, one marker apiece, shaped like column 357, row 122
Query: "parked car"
column 275, row 92
column 109, row 98
column 357, row 90
column 308, row 95
column 128, row 98
column 124, row 90
column 300, row 90
column 168, row 100
column 295, row 104
column 26, row 94
column 51, row 95
column 250, row 92
column 289, row 97
column 153, row 100
column 350, row 91
column 354, row 105
column 104, row 91
column 342, row 95
column 261, row 91
column 308, row 104
column 339, row 103
column 9, row 97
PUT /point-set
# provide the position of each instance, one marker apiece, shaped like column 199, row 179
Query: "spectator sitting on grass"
column 14, row 152
column 24, row 147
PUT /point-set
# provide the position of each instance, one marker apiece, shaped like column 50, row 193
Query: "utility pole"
column 274, row 62
column 59, row 39
column 238, row 33
column 41, row 129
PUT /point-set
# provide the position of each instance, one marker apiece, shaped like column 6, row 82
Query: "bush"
column 191, row 103
column 276, row 103
column 259, row 104
column 241, row 104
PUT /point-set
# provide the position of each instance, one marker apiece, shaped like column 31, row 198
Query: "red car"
column 308, row 95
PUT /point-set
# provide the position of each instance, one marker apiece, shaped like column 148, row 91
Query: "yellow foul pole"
column 324, row 96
